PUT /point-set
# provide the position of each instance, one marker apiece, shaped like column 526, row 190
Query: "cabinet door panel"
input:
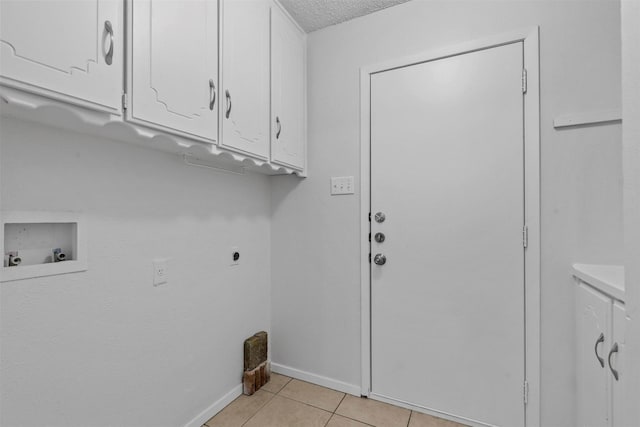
column 175, row 65
column 618, row 363
column 593, row 319
column 64, row 48
column 245, row 77
column 287, row 92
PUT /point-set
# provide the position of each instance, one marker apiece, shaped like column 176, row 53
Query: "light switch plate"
column 341, row 185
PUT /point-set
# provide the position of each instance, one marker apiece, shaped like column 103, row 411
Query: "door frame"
column 530, row 39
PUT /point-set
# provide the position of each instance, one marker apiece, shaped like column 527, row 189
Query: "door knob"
column 380, row 259
column 380, row 217
column 379, row 237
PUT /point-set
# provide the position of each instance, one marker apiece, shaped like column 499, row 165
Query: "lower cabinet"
column 600, row 342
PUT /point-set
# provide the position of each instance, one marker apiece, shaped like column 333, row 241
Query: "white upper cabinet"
column 69, row 50
column 288, row 139
column 174, row 66
column 245, row 77
column 225, row 72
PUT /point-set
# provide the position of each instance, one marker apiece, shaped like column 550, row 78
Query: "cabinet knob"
column 595, row 349
column 228, row 112
column 212, row 94
column 614, row 349
column 108, row 57
column 279, row 127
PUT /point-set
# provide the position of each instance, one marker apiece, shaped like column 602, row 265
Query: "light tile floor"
column 286, row 402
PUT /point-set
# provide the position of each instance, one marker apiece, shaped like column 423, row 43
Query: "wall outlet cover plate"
column 160, row 272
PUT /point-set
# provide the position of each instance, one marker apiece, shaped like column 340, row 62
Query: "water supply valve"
column 14, row 259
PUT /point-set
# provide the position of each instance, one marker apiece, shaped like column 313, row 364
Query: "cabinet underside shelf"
column 35, row 108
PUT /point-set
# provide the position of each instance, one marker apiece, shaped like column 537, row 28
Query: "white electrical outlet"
column 342, row 185
column 160, row 272
column 235, row 256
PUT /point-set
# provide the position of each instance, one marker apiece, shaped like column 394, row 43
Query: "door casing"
column 530, row 39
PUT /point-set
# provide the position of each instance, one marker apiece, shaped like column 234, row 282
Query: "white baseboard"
column 216, row 407
column 316, row 379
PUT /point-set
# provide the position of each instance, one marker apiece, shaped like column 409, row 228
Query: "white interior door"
column 447, row 307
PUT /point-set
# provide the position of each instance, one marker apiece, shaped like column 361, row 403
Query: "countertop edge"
column 599, row 277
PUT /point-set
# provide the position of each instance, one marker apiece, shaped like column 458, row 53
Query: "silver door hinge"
column 525, row 236
column 125, row 101
column 524, row 80
column 525, row 392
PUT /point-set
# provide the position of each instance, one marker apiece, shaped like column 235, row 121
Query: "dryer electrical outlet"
column 235, row 256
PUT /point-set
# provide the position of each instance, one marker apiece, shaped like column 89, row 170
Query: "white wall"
column 631, row 152
column 105, row 347
column 315, row 237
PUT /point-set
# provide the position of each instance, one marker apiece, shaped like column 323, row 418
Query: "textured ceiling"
column 313, row 15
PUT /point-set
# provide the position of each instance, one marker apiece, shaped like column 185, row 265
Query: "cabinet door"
column 175, row 66
column 616, row 362
column 245, row 77
column 288, row 140
column 593, row 341
column 69, row 50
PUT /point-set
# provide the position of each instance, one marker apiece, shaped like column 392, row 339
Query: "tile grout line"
column 341, row 400
column 306, row 404
column 356, row 420
column 309, row 404
column 267, row 402
column 260, row 408
column 350, row 418
column 331, row 413
column 336, row 408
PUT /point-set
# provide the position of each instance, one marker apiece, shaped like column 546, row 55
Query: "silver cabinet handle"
column 212, row 94
column 228, row 95
column 279, row 127
column 595, row 349
column 614, row 349
column 108, row 57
